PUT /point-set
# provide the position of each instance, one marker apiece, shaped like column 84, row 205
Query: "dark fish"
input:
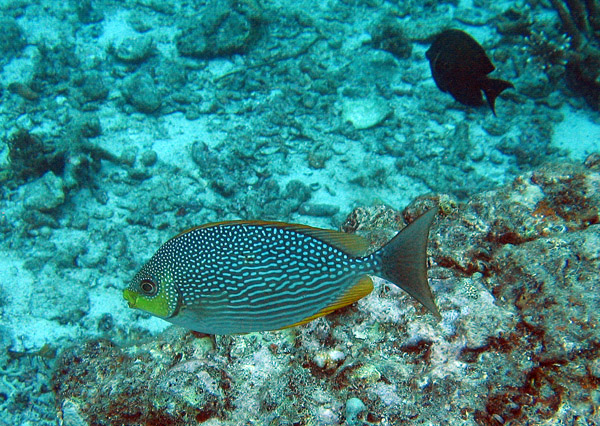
column 244, row 276
column 23, row 91
column 460, row 67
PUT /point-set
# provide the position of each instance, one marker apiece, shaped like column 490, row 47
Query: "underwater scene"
column 276, row 212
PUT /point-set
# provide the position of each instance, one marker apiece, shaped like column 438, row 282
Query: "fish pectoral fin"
column 355, row 292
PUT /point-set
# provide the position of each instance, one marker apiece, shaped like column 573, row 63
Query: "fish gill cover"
column 126, row 123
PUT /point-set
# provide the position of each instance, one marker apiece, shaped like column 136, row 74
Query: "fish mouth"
column 131, row 298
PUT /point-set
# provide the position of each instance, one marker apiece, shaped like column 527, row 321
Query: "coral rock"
column 514, row 272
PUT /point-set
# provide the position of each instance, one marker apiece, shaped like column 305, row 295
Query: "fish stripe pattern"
column 243, row 276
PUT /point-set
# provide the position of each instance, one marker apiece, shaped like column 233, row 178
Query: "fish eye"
column 148, row 287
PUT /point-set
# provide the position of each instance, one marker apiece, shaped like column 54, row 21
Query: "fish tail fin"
column 492, row 87
column 404, row 260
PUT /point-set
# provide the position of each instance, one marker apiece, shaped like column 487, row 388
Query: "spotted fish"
column 245, row 276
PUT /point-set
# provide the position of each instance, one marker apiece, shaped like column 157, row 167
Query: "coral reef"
column 31, row 156
column 507, row 267
column 55, row 64
column 225, row 27
column 87, row 13
column 581, row 21
column 114, row 139
column 141, row 92
column 12, row 40
column 387, row 35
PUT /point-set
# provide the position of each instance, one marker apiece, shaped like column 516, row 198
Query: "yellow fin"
column 352, row 244
column 355, row 292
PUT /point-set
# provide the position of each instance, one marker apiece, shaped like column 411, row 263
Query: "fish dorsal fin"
column 351, row 244
column 355, row 292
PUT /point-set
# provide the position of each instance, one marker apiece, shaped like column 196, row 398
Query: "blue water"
column 124, row 124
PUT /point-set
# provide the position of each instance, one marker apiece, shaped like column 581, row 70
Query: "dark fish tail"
column 492, row 87
column 404, row 260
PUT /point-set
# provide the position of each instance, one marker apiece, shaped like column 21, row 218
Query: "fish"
column 240, row 276
column 23, row 91
column 460, row 66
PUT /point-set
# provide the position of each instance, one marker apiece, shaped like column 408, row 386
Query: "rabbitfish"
column 245, row 276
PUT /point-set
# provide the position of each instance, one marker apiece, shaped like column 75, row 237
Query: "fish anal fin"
column 360, row 289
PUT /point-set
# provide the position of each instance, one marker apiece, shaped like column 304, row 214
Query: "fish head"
column 155, row 293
